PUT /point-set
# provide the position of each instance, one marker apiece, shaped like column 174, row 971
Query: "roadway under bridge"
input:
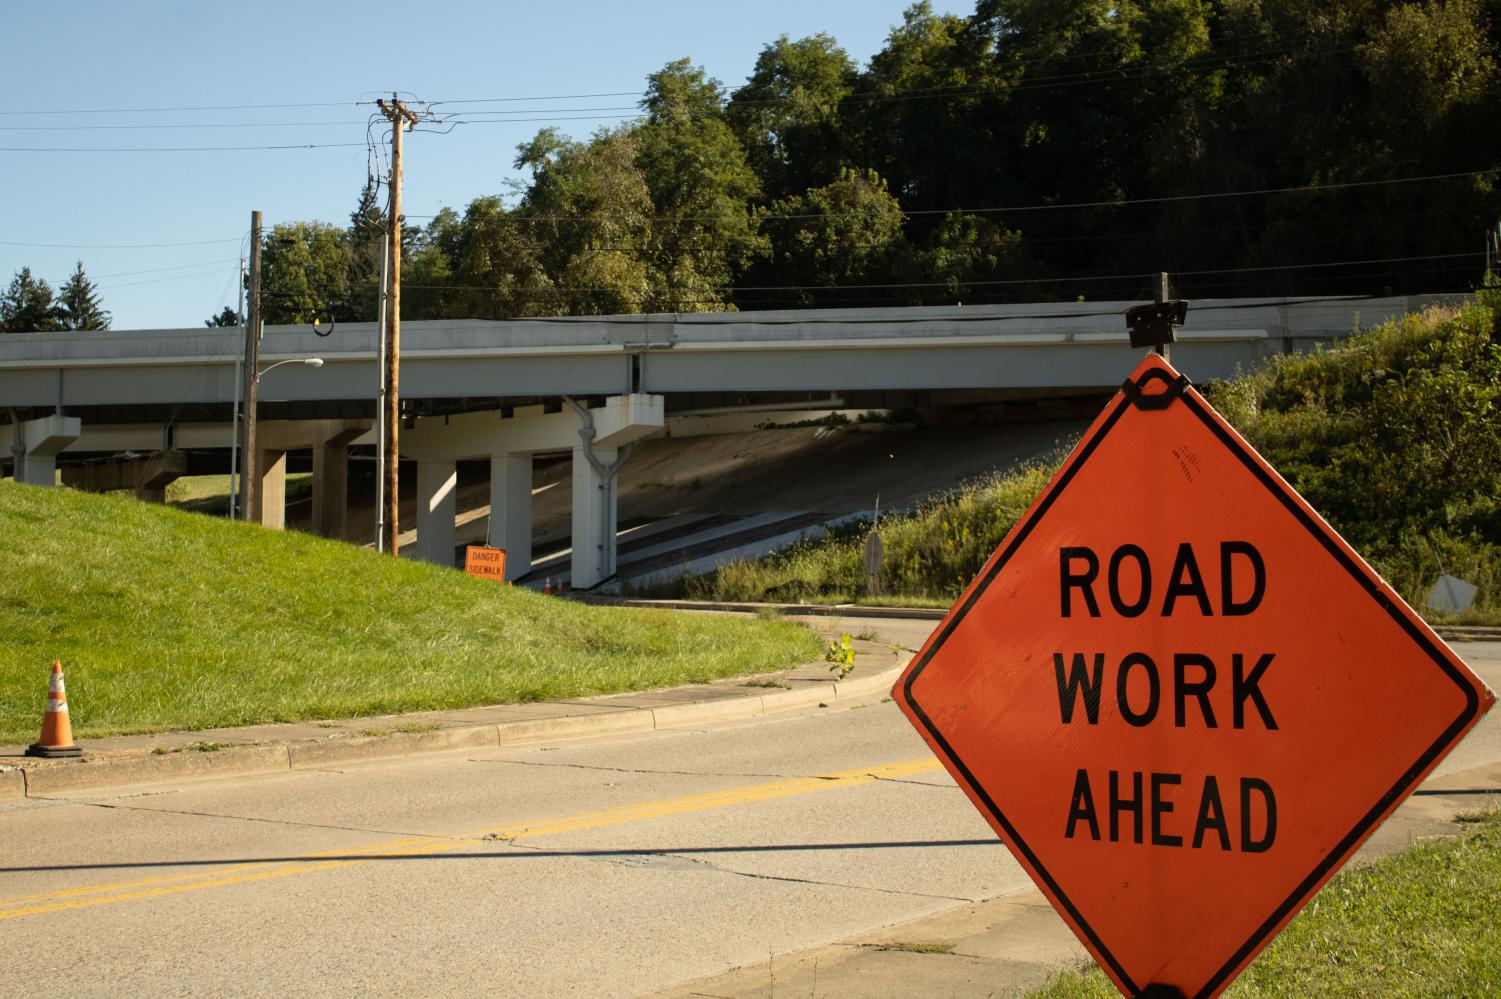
column 132, row 409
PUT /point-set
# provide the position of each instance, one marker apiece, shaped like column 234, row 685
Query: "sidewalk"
column 261, row 749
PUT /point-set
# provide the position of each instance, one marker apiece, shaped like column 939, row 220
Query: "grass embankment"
column 168, row 620
column 1420, row 923
column 210, row 493
column 1393, row 435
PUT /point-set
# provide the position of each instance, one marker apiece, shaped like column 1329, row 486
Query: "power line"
column 173, row 149
column 117, row 246
column 179, row 124
column 1070, row 279
column 208, row 273
column 159, row 270
column 1045, row 207
column 204, row 107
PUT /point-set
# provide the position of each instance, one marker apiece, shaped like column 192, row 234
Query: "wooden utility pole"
column 401, row 120
column 249, row 507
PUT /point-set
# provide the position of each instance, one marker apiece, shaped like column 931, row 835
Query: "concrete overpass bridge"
column 134, row 408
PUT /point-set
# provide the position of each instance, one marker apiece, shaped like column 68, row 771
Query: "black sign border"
column 1325, row 536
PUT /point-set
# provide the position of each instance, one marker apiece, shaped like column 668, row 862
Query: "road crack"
column 188, row 813
column 676, row 861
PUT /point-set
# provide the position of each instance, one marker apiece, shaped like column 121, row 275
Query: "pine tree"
column 28, row 306
column 226, row 317
column 78, row 302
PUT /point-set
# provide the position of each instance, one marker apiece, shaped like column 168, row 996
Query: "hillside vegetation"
column 167, row 620
column 1393, row 435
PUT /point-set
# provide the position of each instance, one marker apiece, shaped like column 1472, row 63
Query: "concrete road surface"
column 608, row 868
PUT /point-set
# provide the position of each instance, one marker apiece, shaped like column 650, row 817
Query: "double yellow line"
column 226, row 875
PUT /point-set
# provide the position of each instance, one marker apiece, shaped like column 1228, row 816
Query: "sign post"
column 1179, row 697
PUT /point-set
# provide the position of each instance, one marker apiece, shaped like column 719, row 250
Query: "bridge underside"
column 131, row 410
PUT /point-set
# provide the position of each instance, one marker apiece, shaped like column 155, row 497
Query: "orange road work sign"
column 482, row 561
column 1179, row 697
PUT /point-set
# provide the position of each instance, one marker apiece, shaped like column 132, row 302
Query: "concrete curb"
column 310, row 754
column 94, row 772
column 113, row 771
column 787, row 610
column 12, row 784
column 1448, row 632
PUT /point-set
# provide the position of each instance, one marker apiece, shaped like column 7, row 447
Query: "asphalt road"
column 611, row 867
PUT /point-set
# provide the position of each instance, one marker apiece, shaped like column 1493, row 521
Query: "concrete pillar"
column 511, row 510
column 44, row 438
column 331, row 490
column 147, row 476
column 437, row 495
column 594, row 518
column 271, row 492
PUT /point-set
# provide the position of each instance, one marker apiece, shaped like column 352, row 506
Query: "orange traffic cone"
column 547, row 587
column 57, row 731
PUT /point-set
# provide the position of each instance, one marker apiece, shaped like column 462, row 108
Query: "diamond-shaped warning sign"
column 1179, row 696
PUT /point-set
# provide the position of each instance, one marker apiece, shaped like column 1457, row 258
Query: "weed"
column 842, row 655
column 414, row 728
column 915, row 948
column 769, row 683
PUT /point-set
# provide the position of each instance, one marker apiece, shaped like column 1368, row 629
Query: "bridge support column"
column 270, row 509
column 147, row 477
column 594, row 516
column 511, row 510
column 42, row 440
column 437, row 496
column 331, row 485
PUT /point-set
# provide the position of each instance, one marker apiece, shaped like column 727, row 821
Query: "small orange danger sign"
column 482, row 561
column 1179, row 696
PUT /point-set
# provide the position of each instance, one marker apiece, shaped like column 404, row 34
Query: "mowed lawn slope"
column 167, row 620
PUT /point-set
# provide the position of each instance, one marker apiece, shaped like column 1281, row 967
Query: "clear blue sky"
column 191, row 54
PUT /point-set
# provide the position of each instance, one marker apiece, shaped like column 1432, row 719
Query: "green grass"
column 171, row 620
column 210, row 493
column 1423, row 922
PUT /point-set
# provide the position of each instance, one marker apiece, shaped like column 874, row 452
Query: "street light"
column 243, row 489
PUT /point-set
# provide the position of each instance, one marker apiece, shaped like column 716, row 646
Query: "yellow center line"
column 225, row 875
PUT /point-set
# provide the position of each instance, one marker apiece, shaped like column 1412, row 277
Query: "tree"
column 78, row 303
column 589, row 212
column 964, row 253
column 925, row 113
column 226, row 317
column 304, row 273
column 28, row 306
column 367, row 240
column 789, row 115
column 701, row 186
column 844, row 233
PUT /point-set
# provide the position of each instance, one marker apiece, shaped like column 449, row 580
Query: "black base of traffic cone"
column 53, row 752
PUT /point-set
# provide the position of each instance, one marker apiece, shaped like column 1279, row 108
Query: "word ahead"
column 1179, row 697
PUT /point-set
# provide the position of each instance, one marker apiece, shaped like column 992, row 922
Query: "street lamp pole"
column 247, row 487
